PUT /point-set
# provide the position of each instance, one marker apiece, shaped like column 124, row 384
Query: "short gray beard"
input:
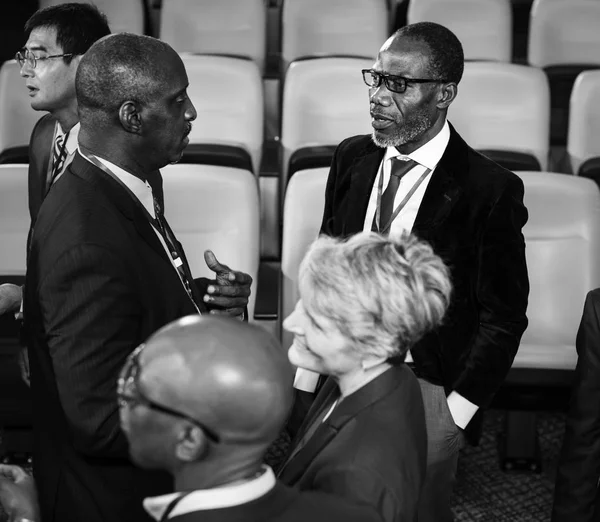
column 412, row 129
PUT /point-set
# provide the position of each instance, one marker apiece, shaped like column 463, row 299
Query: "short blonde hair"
column 382, row 293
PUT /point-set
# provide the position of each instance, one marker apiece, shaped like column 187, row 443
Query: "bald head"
column 118, row 68
column 232, row 376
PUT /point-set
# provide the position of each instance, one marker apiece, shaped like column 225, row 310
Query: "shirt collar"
column 429, row 154
column 215, row 498
column 72, row 140
column 140, row 188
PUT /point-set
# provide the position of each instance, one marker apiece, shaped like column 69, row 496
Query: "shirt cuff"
column 306, row 380
column 19, row 314
column 462, row 410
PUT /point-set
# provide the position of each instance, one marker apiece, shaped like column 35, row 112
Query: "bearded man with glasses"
column 415, row 173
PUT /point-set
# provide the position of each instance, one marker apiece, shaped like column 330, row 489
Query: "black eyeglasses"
column 25, row 56
column 129, row 394
column 393, row 83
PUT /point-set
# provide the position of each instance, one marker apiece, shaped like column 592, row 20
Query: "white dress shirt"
column 70, row 146
column 143, row 192
column 215, row 498
column 427, row 156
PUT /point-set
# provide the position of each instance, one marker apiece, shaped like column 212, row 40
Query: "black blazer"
column 576, row 495
column 40, row 158
column 98, row 284
column 371, row 449
column 472, row 214
column 283, row 504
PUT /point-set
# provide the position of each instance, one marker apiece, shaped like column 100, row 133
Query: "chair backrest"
column 302, row 215
column 562, row 239
column 484, row 27
column 228, row 96
column 228, row 27
column 316, row 28
column 503, row 106
column 324, row 101
column 14, row 219
column 564, row 33
column 17, row 117
column 583, row 140
column 123, row 15
column 214, row 208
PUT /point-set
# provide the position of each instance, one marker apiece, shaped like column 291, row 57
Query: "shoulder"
column 356, row 146
column 45, row 123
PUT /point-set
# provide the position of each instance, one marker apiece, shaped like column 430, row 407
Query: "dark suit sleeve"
column 327, row 224
column 501, row 289
column 364, row 486
column 92, row 320
column 576, row 489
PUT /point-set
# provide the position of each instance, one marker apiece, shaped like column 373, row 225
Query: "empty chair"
column 302, row 214
column 228, row 27
column 312, row 28
column 123, row 15
column 214, row 208
column 583, row 143
column 14, row 219
column 228, row 96
column 503, row 110
column 17, row 117
column 564, row 40
column 484, row 27
column 562, row 239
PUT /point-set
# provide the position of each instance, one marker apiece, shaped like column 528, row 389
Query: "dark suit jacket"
column 472, row 215
column 576, row 495
column 284, row 504
column 371, row 449
column 40, row 157
column 98, row 284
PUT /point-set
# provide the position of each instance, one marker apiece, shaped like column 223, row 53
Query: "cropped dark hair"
column 446, row 58
column 77, row 26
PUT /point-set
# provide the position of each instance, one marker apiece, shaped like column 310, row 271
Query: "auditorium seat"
column 562, row 239
column 216, row 208
column 123, row 15
column 15, row 405
column 228, row 96
column 564, row 40
column 17, row 118
column 302, row 213
column 503, row 110
column 484, row 27
column 317, row 28
column 324, row 101
column 583, row 138
column 227, row 27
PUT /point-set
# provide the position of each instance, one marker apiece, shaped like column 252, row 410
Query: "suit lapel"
column 362, row 176
column 117, row 196
column 345, row 411
column 443, row 191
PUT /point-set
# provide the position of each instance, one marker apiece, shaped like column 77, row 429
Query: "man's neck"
column 117, row 157
column 210, row 475
column 67, row 118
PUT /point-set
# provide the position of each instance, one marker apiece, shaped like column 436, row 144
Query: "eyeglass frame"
column 131, row 370
column 21, row 57
column 386, row 77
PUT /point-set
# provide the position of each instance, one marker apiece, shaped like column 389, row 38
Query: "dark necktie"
column 398, row 169
column 172, row 244
column 59, row 155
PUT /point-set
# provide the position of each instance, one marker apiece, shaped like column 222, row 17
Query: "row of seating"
column 561, row 31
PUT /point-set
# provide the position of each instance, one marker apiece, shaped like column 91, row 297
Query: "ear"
column 447, row 94
column 130, row 117
column 191, row 444
column 75, row 60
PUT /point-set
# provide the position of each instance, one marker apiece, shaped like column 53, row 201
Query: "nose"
column 190, row 113
column 25, row 70
column 291, row 323
column 380, row 95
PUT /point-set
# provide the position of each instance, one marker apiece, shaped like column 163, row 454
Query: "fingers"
column 211, row 261
column 230, row 312
column 226, row 302
column 230, row 291
column 240, row 278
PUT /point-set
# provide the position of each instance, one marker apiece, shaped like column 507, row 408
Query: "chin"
column 302, row 358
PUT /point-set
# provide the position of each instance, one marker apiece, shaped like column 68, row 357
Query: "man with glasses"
column 203, row 399
column 415, row 173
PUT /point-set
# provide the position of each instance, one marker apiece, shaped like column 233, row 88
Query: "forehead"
column 403, row 57
column 175, row 77
column 43, row 39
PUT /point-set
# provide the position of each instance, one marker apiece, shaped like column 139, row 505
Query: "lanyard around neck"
column 401, row 205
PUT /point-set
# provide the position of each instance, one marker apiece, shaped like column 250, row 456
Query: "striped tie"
column 59, row 156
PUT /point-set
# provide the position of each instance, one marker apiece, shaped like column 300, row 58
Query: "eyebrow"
column 36, row 47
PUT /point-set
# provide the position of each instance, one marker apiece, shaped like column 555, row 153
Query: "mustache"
column 188, row 128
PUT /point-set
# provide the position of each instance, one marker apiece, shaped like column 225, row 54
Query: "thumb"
column 211, row 261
